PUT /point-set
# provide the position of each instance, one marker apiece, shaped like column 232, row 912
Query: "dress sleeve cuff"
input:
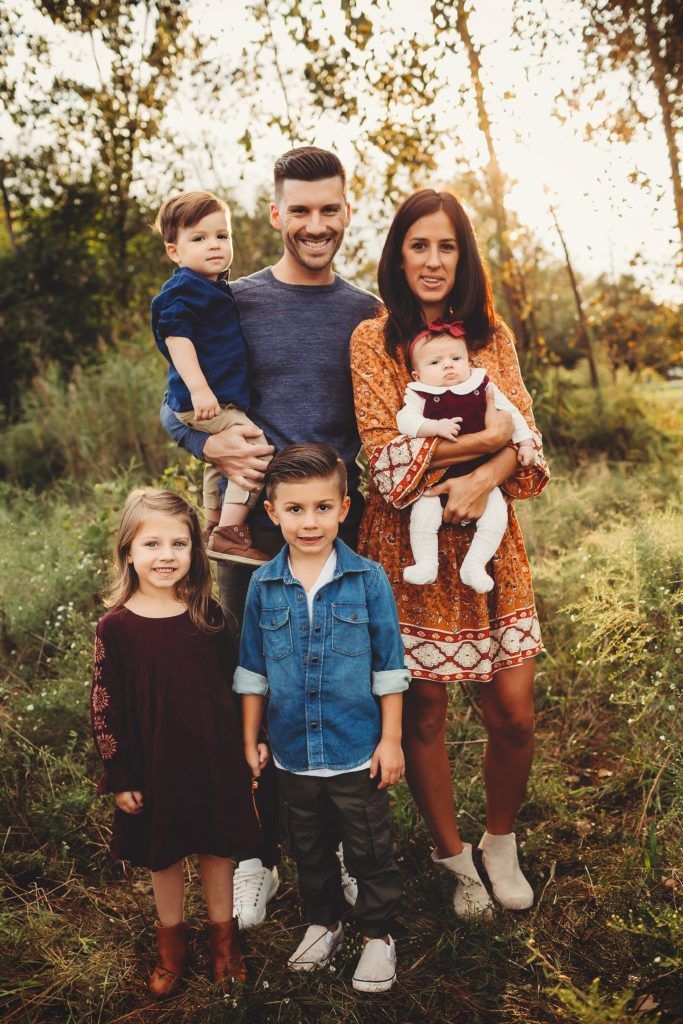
column 245, row 681
column 394, row 680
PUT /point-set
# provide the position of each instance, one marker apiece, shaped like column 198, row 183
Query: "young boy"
column 196, row 326
column 321, row 640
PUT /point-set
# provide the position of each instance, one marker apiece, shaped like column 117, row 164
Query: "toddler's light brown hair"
column 186, row 209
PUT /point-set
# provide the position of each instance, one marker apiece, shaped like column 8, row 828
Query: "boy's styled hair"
column 186, row 209
column 195, row 588
column 304, row 462
column 308, row 163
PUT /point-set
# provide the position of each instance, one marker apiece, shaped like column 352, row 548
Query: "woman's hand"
column 497, row 422
column 129, row 801
column 467, row 497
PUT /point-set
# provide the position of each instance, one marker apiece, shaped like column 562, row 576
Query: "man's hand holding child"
column 388, row 758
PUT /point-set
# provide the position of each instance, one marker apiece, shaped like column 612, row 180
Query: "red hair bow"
column 452, row 327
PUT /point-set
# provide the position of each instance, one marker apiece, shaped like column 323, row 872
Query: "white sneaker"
column 252, row 887
column 349, row 883
column 376, row 969
column 317, row 948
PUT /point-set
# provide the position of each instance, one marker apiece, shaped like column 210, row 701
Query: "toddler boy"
column 321, row 640
column 196, row 326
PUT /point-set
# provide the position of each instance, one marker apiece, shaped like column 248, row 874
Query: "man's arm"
column 229, row 451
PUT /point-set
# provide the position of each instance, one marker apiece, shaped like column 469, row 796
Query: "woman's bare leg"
column 169, row 894
column 216, row 876
column 507, row 705
column 427, row 767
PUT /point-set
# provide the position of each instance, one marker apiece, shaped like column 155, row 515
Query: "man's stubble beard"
column 303, row 260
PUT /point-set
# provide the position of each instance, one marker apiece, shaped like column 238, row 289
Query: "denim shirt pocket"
column 276, row 630
column 350, row 633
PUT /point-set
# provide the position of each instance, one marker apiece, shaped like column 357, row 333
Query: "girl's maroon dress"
column 165, row 723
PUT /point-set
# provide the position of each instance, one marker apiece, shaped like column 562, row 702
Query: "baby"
column 447, row 398
column 197, row 328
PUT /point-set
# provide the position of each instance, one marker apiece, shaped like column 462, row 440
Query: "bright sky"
column 607, row 218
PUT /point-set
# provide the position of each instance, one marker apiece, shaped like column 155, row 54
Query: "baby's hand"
column 257, row 757
column 448, row 428
column 388, row 757
column 129, row 801
column 205, row 403
column 526, row 455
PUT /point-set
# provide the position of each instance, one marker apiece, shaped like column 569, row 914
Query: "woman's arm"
column 467, row 495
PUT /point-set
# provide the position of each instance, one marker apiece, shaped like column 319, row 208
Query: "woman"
column 431, row 269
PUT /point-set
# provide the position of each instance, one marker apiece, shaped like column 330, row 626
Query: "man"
column 298, row 317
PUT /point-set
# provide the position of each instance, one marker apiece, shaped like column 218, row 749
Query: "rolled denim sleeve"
column 250, row 675
column 389, row 673
column 188, row 438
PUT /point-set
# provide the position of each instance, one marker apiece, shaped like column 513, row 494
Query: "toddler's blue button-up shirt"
column 323, row 676
column 205, row 311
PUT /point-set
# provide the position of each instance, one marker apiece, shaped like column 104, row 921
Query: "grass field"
column 600, row 832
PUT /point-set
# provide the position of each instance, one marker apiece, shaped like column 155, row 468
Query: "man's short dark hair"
column 308, row 163
column 304, row 462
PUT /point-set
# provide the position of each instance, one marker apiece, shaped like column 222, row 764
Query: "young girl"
column 165, row 727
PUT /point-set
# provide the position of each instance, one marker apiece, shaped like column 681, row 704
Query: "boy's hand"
column 129, row 801
column 448, row 428
column 257, row 756
column 205, row 403
column 526, row 455
column 388, row 758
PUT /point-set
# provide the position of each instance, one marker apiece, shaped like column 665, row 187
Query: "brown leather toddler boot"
column 234, row 544
column 225, row 954
column 171, row 961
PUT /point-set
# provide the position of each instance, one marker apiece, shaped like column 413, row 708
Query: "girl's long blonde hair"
column 195, row 588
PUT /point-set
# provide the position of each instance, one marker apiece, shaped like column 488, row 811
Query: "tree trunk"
column 585, row 332
column 7, row 210
column 659, row 79
column 514, row 286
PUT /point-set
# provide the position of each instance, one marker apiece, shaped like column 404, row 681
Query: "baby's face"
column 441, row 361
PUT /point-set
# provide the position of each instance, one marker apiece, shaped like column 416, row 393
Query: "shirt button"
column 436, row 398
column 313, row 693
column 314, row 660
column 317, row 597
column 317, row 629
column 303, row 629
column 314, row 725
column 476, row 392
column 354, row 617
column 272, row 622
column 299, row 597
column 305, row 658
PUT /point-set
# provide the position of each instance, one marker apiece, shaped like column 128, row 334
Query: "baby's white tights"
column 425, row 519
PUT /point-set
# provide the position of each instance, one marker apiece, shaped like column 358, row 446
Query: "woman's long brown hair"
column 471, row 298
column 195, row 588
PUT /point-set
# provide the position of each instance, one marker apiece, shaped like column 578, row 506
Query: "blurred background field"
column 85, row 162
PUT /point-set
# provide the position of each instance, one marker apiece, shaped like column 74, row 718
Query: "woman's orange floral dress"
column 450, row 632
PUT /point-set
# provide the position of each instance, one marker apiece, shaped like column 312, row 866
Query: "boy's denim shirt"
column 323, row 677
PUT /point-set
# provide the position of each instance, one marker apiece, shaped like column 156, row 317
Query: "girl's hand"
column 467, row 497
column 129, row 801
column 388, row 758
column 257, row 756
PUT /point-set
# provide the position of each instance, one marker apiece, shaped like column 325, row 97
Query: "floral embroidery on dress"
column 107, row 745
column 100, row 698
column 99, row 652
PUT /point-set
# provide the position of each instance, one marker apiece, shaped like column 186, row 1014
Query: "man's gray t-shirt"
column 299, row 367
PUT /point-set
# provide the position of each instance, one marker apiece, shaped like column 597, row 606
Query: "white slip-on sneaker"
column 470, row 898
column 349, row 883
column 376, row 969
column 252, row 887
column 317, row 948
column 510, row 887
